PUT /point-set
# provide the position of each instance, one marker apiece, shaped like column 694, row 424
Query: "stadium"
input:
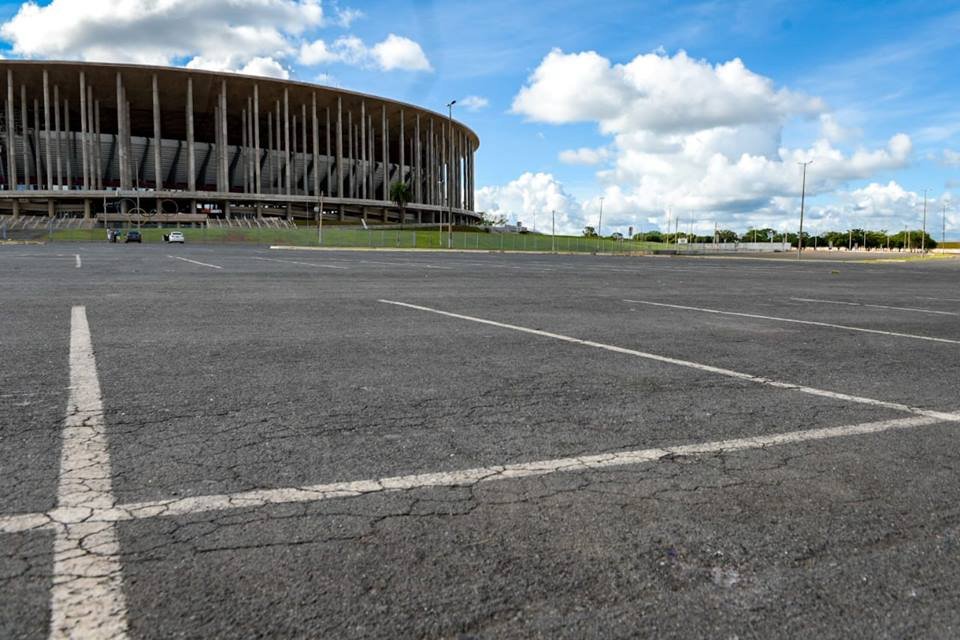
column 105, row 142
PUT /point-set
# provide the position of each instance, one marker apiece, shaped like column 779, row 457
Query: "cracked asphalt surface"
column 285, row 373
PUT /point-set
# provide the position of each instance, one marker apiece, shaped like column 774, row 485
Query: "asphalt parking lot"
column 233, row 441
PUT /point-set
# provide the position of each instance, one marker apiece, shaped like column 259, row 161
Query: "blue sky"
column 838, row 81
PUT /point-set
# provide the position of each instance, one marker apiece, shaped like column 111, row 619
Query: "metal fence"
column 372, row 238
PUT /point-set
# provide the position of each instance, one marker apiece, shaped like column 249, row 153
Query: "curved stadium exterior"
column 105, row 140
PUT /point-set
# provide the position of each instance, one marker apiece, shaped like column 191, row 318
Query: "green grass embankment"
column 350, row 236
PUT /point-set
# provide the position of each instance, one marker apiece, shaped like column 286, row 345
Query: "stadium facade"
column 103, row 140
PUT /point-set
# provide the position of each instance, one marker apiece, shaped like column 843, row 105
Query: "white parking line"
column 79, row 264
column 307, row 264
column 23, row 522
column 202, row 264
column 87, row 598
column 258, row 498
column 940, row 299
column 749, row 377
column 406, row 263
column 876, row 306
column 814, row 323
column 350, row 489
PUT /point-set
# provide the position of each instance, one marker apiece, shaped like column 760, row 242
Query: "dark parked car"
column 133, row 236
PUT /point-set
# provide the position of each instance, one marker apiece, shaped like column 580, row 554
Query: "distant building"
column 93, row 140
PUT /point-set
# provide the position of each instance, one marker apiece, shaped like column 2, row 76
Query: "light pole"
column 600, row 222
column 803, row 196
column 943, row 221
column 443, row 200
column 449, row 182
column 923, row 233
column 553, row 229
column 320, row 222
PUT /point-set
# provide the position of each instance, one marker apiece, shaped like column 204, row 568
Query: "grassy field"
column 334, row 236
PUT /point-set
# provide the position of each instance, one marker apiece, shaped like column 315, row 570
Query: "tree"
column 589, row 232
column 912, row 240
column 491, row 220
column 400, row 194
column 757, row 235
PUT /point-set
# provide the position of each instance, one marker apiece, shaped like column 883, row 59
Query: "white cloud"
column 696, row 139
column 317, row 52
column 532, row 198
column 473, row 103
column 397, row 52
column 885, row 206
column 346, row 17
column 226, row 35
column 260, row 66
column 259, row 37
column 951, row 157
column 267, row 67
column 584, row 155
column 832, row 130
column 352, row 50
column 393, row 53
column 654, row 92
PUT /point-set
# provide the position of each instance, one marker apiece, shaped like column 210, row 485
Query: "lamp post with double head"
column 803, row 194
column 449, row 176
column 600, row 225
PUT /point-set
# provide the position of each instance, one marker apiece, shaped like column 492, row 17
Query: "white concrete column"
column 97, row 148
column 286, row 137
column 11, row 155
column 316, row 147
column 303, row 147
column 278, row 165
column 271, row 183
column 363, row 149
column 351, row 186
column 217, row 146
column 121, row 147
column 133, row 172
column 383, row 150
column 371, row 157
column 329, row 154
column 46, row 130
column 57, row 142
column 243, row 151
column 25, row 131
column 157, row 139
column 293, row 151
column 191, row 145
column 225, row 136
column 36, row 141
column 85, row 141
column 417, row 195
column 402, row 148
column 432, row 166
column 68, row 150
column 256, row 139
column 339, row 147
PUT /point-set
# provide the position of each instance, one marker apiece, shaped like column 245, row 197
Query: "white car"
column 175, row 236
